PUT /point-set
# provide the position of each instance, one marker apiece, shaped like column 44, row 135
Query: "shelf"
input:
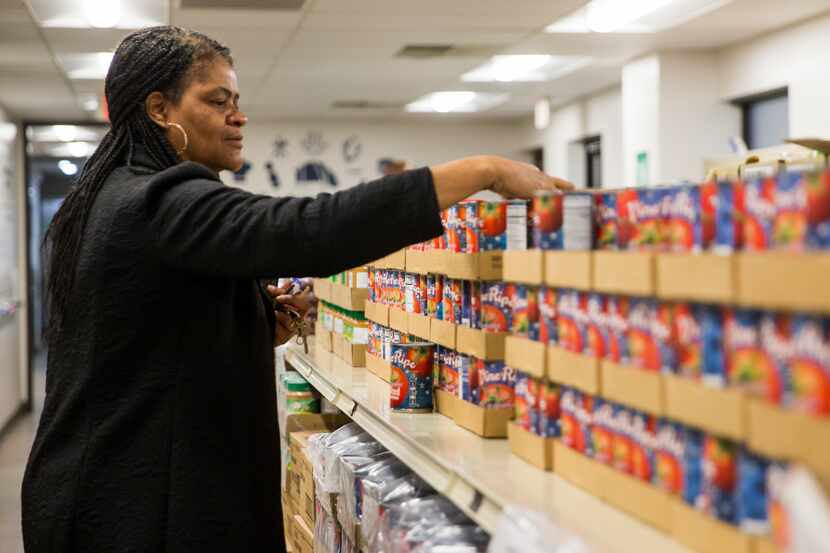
column 787, row 281
column 697, row 277
column 569, row 269
column 481, row 476
column 624, row 273
column 396, row 260
column 524, row 266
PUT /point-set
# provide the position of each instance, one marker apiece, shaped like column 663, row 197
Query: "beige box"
column 578, row 469
column 377, row 313
column 484, row 345
column 418, row 325
column 398, row 319
column 789, row 281
column 354, row 354
column 421, row 262
column 353, row 299
column 573, row 369
column 720, row 411
column 312, row 421
column 442, row 332
column 633, row 386
column 288, row 523
column 378, row 366
column 473, row 266
column 524, row 266
column 396, row 260
column 446, row 403
column 536, row 450
column 303, row 536
column 338, row 344
column 696, row 277
column 569, row 269
column 636, row 497
column 322, row 337
column 525, row 355
column 624, row 273
column 764, row 545
column 705, row 534
column 322, row 289
column 307, row 510
column 785, row 434
column 485, row 422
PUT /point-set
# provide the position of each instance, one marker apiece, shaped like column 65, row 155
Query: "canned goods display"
column 412, row 368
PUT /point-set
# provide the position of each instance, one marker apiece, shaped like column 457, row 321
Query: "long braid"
column 155, row 59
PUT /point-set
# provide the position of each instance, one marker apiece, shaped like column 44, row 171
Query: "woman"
column 159, row 430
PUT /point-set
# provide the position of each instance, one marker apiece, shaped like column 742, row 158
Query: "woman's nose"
column 238, row 119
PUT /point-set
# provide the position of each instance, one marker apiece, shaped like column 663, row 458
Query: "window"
column 766, row 119
column 593, row 161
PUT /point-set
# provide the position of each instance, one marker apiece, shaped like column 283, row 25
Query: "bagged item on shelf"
column 412, row 371
column 807, row 386
column 382, row 469
column 547, row 315
column 496, row 383
column 410, row 523
column 379, row 494
column 455, row 539
column 319, row 443
column 357, row 446
column 751, row 493
column 350, row 473
column 327, row 537
column 548, row 217
column 525, row 315
column 520, row 530
column 496, row 306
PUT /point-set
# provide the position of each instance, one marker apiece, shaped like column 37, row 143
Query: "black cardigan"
column 159, row 432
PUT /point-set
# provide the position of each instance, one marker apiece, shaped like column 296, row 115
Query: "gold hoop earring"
column 184, row 134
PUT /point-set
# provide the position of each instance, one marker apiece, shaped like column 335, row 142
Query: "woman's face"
column 209, row 113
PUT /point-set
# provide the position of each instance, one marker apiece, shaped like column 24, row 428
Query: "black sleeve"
column 200, row 225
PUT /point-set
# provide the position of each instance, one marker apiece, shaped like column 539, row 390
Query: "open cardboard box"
column 569, row 269
column 720, row 411
column 523, row 266
column 307, row 422
column 398, row 319
column 785, row 434
column 636, row 497
column 379, row 367
column 698, row 277
column 354, row 354
column 322, row 289
column 379, row 394
column 418, row 325
column 377, row 312
column 446, row 403
column 634, row 387
column 484, row 345
column 624, row 273
column 396, row 260
column 578, row 469
column 338, row 344
column 784, row 281
column 473, row 266
column 353, row 299
column 574, row 369
column 526, row 355
column 322, row 337
column 442, row 332
column 487, row 422
column 425, row 262
column 704, row 533
column 536, row 450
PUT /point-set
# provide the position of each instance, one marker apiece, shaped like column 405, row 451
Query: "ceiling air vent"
column 363, row 104
column 424, row 50
column 280, row 5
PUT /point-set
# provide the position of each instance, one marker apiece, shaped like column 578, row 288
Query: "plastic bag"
column 327, row 538
column 455, row 539
column 378, row 495
column 356, row 446
column 352, row 470
column 523, row 531
column 411, row 520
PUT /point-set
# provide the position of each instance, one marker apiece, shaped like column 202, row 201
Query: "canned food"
column 411, row 389
column 547, row 220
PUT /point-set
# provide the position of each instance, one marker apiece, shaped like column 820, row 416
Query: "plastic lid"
column 295, row 382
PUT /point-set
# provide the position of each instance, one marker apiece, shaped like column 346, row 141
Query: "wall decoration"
column 352, row 148
column 280, row 147
column 313, row 143
column 316, row 172
column 239, row 176
column 272, row 174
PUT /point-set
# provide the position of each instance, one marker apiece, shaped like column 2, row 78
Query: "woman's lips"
column 236, row 141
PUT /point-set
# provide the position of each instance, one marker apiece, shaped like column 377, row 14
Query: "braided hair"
column 163, row 59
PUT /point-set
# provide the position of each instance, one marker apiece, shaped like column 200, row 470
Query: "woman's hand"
column 514, row 179
column 300, row 302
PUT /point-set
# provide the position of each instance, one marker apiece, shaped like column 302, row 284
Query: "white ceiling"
column 297, row 64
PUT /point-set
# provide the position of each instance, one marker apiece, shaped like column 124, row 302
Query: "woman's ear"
column 156, row 105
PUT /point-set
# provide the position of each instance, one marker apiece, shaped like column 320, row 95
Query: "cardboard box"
column 485, row 422
column 398, row 319
column 720, row 411
column 573, row 369
column 418, row 325
column 569, row 269
column 421, row 262
column 338, row 344
column 396, row 260
column 578, row 469
column 525, row 355
column 303, row 536
column 354, row 354
column 379, row 392
column 484, row 345
column 316, row 422
column 783, row 434
column 705, row 534
column 473, row 266
column 322, row 337
column 784, row 281
column 697, row 277
column 446, row 403
column 353, row 299
column 376, row 365
column 633, row 387
column 377, row 312
column 524, row 266
column 636, row 497
column 765, row 545
column 536, row 450
column 322, row 289
column 624, row 273
column 442, row 332
column 288, row 524
column 307, row 509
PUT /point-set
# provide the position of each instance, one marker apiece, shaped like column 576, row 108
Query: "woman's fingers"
column 276, row 292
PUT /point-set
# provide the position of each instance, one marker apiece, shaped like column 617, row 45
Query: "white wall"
column 795, row 57
column 641, row 116
column 419, row 142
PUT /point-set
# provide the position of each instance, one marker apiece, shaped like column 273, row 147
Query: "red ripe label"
column 760, row 214
column 708, row 201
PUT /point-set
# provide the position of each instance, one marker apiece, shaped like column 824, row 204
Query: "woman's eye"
column 220, row 103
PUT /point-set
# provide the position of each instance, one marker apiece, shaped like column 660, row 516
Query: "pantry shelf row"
column 479, row 475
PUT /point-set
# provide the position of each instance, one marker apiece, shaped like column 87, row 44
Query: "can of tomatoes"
column 412, row 370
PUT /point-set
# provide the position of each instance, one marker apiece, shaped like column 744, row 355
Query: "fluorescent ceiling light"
column 67, row 167
column 87, row 66
column 80, row 149
column 525, row 68
column 541, row 114
column 102, row 14
column 8, row 131
column 89, row 102
column 633, row 16
column 86, row 14
column 65, row 133
column 455, row 101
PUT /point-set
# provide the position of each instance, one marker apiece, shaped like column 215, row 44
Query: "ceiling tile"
column 239, row 21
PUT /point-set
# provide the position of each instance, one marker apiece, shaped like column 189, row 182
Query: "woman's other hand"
column 514, row 179
column 301, row 302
